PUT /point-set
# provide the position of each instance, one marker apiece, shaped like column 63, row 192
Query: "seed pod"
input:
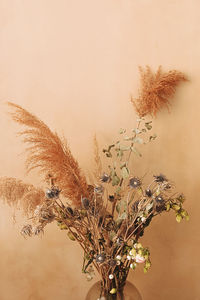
column 105, row 177
column 135, row 206
column 71, row 235
column 111, row 198
column 112, row 262
column 160, row 204
column 148, row 193
column 85, row 203
column 69, row 210
column 100, row 221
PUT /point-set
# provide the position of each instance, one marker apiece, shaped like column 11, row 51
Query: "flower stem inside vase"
column 111, row 293
column 128, row 292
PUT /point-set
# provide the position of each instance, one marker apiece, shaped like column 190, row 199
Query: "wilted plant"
column 108, row 217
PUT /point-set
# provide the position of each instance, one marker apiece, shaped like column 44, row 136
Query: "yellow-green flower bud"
column 175, row 207
column 133, row 252
column 113, row 291
column 178, row 218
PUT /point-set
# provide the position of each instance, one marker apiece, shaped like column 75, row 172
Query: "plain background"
column 74, row 63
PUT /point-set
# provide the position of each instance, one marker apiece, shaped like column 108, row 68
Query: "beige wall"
column 74, row 64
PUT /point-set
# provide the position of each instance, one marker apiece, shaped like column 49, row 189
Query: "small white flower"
column 139, row 259
column 111, row 276
column 143, row 219
column 89, row 277
column 132, row 266
column 118, row 257
column 133, row 252
column 128, row 257
column 118, row 262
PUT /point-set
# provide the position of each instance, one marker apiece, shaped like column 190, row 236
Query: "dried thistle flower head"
column 156, row 90
column 134, row 182
column 160, row 178
column 38, row 230
column 99, row 189
column 105, row 177
column 159, row 199
column 100, row 258
column 52, row 193
column 148, row 193
column 27, row 230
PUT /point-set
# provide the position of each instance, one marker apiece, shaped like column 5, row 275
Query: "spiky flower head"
column 38, row 230
column 46, row 215
column 100, row 258
column 27, row 230
column 99, row 189
column 159, row 199
column 160, row 178
column 52, row 193
column 160, row 203
column 105, row 177
column 134, row 182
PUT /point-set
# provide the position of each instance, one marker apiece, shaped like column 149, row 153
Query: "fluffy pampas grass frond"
column 18, row 194
column 51, row 155
column 156, row 89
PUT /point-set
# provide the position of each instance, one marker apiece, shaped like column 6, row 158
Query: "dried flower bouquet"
column 107, row 217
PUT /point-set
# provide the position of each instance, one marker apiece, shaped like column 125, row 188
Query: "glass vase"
column 129, row 292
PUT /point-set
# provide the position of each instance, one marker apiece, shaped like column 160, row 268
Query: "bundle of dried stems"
column 106, row 218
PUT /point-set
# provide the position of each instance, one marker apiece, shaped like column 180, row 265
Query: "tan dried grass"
column 51, row 155
column 156, row 90
column 21, row 195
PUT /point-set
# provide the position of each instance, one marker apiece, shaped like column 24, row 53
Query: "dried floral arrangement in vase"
column 106, row 217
